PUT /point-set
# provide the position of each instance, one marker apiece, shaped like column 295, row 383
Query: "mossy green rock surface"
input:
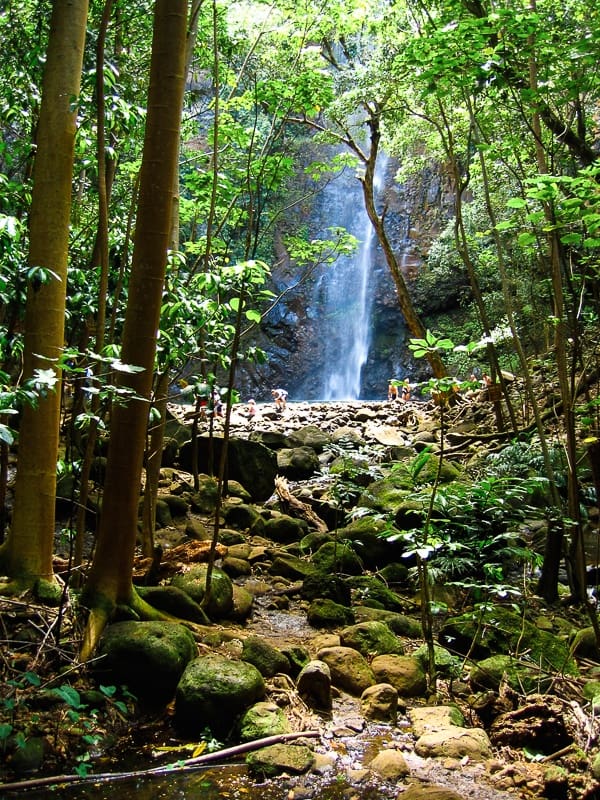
column 148, row 657
column 499, row 630
column 213, row 692
column 193, row 583
column 270, row 761
column 371, row 638
column 261, row 720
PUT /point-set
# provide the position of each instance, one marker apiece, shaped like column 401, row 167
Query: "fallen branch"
column 296, row 508
column 179, row 766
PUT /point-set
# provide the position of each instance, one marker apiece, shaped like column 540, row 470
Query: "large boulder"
column 455, row 742
column 325, row 613
column 193, row 583
column 371, row 638
column 314, row 685
column 250, row 463
column 380, row 703
column 350, row 671
column 336, row 557
column 289, row 758
column 213, row 692
column 298, row 463
column 310, row 436
column 404, row 673
column 324, row 585
column 498, row 630
column 149, row 657
column 365, row 535
column 267, row 659
column 285, row 529
column 261, row 720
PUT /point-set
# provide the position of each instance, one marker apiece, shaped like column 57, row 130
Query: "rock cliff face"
column 298, row 329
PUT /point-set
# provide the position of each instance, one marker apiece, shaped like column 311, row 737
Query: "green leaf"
column 5, row 730
column 69, row 695
column 516, row 202
column 6, row 435
column 526, row 239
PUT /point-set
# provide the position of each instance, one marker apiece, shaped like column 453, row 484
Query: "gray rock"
column 250, row 463
column 314, row 685
column 310, row 436
column 298, row 463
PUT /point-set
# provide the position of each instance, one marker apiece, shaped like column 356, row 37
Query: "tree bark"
column 27, row 553
column 109, row 581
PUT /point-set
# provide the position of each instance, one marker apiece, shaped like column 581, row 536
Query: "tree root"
column 227, row 753
column 99, row 617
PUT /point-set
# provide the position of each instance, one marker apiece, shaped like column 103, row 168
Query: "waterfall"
column 348, row 294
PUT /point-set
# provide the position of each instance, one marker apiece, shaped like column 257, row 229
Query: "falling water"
column 348, row 299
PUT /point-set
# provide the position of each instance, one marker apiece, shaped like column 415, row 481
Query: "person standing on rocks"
column 280, row 398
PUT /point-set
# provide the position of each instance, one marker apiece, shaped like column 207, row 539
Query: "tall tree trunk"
column 412, row 319
column 27, row 553
column 109, row 581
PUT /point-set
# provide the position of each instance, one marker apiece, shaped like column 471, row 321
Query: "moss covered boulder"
column 214, row 692
column 267, row 659
column 350, row 670
column 193, row 583
column 404, row 673
column 324, row 613
column 148, row 657
column 370, row 591
column 337, row 557
column 520, row 676
column 270, row 761
column 261, row 720
column 499, row 630
column 365, row 535
column 371, row 638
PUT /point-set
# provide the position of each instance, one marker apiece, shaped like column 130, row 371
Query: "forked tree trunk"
column 27, row 552
column 109, row 581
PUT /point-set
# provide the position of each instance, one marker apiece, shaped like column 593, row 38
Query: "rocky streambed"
column 315, row 626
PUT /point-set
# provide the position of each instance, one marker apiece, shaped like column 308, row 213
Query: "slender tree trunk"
column 412, row 319
column 29, row 546
column 109, row 581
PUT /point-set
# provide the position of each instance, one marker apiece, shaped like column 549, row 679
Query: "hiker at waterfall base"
column 392, row 391
column 405, row 394
column 251, row 409
column 280, row 398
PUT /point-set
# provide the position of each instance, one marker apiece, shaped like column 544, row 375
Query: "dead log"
column 296, row 508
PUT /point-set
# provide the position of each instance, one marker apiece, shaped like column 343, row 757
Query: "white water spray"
column 349, row 299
